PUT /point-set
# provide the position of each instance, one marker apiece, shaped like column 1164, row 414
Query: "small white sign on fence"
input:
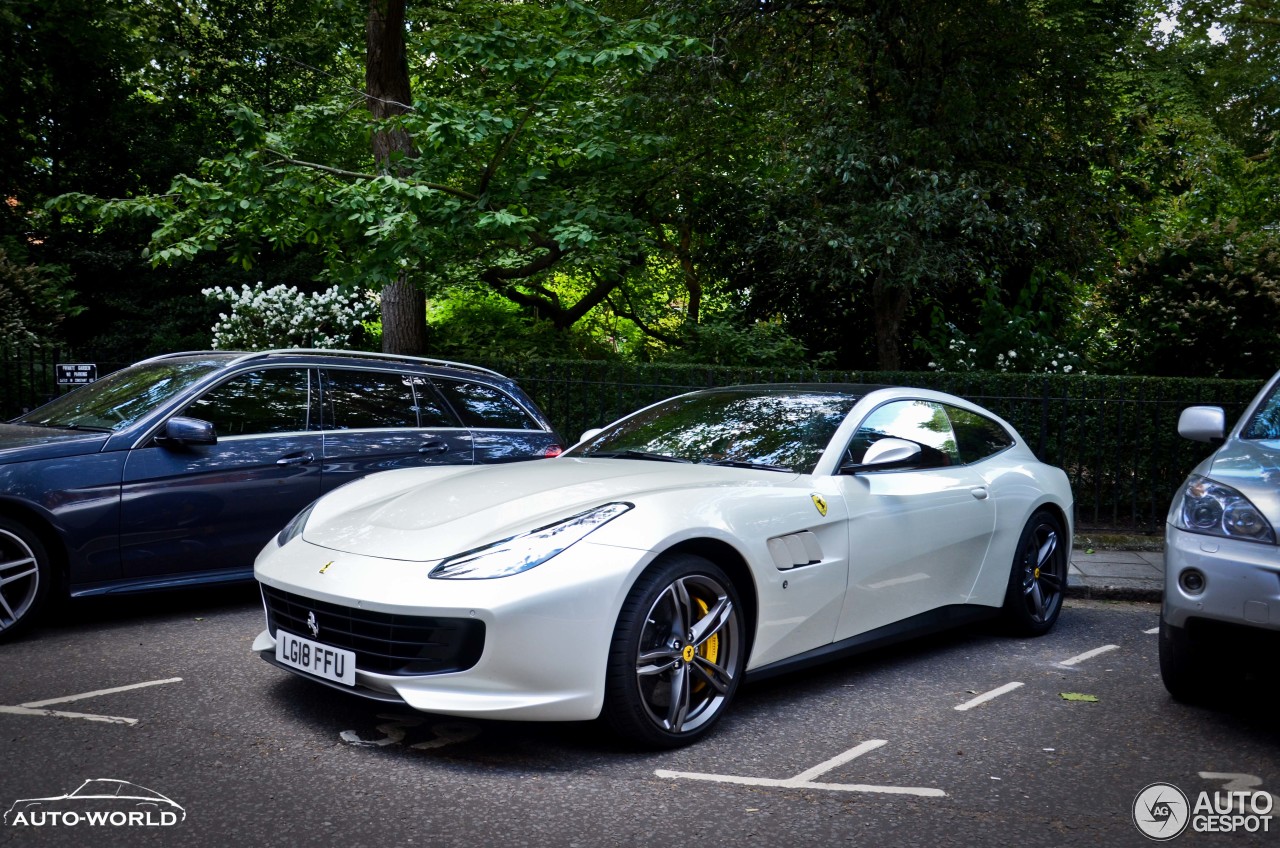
column 76, row 374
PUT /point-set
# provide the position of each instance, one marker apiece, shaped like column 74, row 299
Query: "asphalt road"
column 929, row 743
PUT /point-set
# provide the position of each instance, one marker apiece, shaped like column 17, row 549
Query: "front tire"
column 677, row 655
column 1185, row 666
column 1038, row 579
column 25, row 578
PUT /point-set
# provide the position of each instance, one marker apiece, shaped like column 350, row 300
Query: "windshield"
column 121, row 398
column 779, row 430
column 1265, row 423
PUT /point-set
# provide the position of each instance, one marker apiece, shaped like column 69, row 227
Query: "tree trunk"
column 386, row 78
column 890, row 305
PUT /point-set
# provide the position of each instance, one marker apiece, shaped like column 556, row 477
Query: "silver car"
column 1222, row 563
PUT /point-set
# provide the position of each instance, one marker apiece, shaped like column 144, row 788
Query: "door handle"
column 979, row 492
column 435, row 447
column 296, row 459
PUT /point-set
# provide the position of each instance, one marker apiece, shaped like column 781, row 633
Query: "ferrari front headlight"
column 520, row 553
column 1209, row 507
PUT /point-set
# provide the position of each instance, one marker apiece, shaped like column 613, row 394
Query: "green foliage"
column 34, row 300
column 1204, row 302
column 526, row 139
column 722, row 341
column 467, row 324
column 901, row 152
column 1025, row 336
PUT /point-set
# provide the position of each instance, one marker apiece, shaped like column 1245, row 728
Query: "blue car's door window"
column 381, row 420
column 206, row 508
column 276, row 400
column 485, row 406
column 502, row 430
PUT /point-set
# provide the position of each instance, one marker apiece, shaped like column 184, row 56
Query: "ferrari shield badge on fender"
column 330, row 562
column 819, row 503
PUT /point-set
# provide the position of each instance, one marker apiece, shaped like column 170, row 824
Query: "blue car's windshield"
column 773, row 429
column 121, row 398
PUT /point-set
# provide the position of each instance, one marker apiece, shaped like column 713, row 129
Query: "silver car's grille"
column 383, row 643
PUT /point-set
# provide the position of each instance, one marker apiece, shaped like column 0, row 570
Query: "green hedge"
column 1116, row 437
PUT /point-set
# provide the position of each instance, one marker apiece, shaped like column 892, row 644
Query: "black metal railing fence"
column 1116, row 437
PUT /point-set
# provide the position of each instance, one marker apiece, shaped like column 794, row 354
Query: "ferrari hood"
column 432, row 513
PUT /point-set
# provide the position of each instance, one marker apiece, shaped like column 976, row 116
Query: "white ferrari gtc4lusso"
column 639, row 577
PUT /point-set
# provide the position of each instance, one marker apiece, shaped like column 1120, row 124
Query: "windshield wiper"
column 739, row 463
column 53, row 426
column 635, row 454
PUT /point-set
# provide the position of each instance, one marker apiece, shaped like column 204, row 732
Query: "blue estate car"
column 177, row 470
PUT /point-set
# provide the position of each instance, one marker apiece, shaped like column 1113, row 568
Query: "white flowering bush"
column 282, row 317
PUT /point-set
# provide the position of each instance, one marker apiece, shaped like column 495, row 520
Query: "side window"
column 359, row 400
column 274, row 400
column 484, row 406
column 918, row 421
column 977, row 437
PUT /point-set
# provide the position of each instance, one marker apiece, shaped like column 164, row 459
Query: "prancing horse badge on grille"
column 313, row 625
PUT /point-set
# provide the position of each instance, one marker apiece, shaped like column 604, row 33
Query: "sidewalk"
column 1118, row 575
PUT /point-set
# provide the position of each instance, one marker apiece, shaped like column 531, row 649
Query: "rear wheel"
column 25, row 578
column 677, row 655
column 1039, row 576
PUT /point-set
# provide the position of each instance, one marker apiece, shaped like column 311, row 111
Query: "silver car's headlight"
column 1209, row 507
column 520, row 553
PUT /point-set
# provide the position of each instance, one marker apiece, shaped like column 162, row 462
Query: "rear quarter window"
column 977, row 437
column 485, row 406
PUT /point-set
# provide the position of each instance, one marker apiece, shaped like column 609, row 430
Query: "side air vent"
column 795, row 549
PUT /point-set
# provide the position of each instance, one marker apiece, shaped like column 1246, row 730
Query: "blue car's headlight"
column 1209, row 507
column 520, row 553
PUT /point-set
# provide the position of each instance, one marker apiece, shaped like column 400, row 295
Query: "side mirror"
column 181, row 430
column 1203, row 424
column 590, row 434
column 885, row 454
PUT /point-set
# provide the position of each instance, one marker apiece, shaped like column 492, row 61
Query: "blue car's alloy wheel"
column 24, row 577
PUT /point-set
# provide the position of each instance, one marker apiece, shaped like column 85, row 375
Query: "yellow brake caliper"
column 710, row 650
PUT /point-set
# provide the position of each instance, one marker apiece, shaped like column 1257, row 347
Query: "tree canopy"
column 859, row 183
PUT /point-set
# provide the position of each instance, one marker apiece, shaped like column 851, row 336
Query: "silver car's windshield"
column 771, row 430
column 1265, row 422
column 121, row 398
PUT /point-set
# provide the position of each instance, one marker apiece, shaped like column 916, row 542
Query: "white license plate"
column 324, row 661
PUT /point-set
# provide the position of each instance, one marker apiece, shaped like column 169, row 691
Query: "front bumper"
column 546, row 632
column 1241, row 581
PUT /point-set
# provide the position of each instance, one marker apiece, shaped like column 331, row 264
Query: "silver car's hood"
column 1251, row 467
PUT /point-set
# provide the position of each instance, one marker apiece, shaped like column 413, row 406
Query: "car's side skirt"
column 943, row 618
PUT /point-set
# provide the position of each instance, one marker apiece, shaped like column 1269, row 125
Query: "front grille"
column 384, row 643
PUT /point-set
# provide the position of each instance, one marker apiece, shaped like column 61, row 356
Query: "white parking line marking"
column 987, row 696
column 35, row 707
column 98, row 692
column 1088, row 655
column 1152, row 631
column 61, row 714
column 804, row 780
